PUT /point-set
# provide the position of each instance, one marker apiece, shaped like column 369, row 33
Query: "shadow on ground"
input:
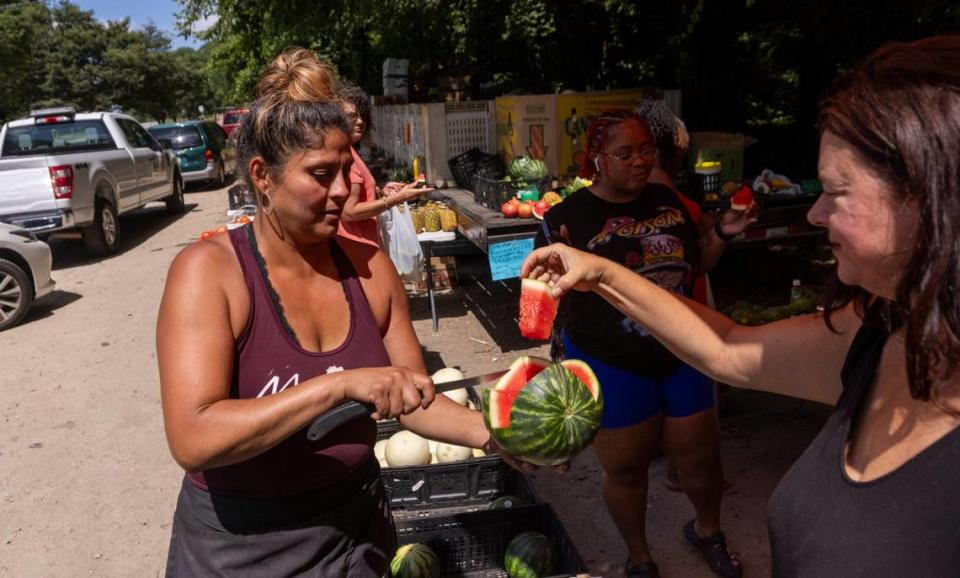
column 493, row 303
column 48, row 305
column 135, row 228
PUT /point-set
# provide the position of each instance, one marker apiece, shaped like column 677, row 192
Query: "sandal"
column 641, row 570
column 714, row 549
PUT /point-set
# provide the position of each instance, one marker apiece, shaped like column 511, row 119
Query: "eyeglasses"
column 647, row 154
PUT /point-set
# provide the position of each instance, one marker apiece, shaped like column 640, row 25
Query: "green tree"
column 24, row 34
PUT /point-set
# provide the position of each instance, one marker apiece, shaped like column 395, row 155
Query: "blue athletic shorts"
column 629, row 398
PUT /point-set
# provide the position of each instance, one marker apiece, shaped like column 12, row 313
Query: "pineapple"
column 448, row 219
column 431, row 219
column 418, row 215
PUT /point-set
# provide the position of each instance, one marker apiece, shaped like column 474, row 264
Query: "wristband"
column 386, row 203
column 718, row 231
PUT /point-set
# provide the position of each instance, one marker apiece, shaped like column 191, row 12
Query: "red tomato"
column 509, row 209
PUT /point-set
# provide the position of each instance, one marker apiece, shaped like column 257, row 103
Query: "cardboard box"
column 444, row 277
column 727, row 148
column 396, row 67
column 527, row 125
column 553, row 127
column 576, row 111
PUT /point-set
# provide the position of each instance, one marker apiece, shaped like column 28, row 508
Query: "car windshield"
column 180, row 137
column 62, row 137
column 233, row 117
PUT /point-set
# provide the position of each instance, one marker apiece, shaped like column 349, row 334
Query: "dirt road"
column 87, row 486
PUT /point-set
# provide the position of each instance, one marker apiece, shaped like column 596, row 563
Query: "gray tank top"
column 903, row 524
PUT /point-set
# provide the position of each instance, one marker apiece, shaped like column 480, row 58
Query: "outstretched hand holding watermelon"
column 543, row 413
column 565, row 268
column 516, row 462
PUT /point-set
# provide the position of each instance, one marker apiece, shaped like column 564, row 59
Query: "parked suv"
column 202, row 148
column 63, row 171
column 232, row 118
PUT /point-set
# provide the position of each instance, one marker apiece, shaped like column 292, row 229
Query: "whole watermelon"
column 415, row 561
column 528, row 169
column 548, row 418
column 530, row 555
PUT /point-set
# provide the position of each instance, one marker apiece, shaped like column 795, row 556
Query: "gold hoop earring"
column 266, row 203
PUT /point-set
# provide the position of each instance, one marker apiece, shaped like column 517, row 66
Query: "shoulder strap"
column 248, row 264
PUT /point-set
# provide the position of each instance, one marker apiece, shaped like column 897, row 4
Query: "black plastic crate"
column 473, row 544
column 474, row 162
column 467, row 485
column 491, row 193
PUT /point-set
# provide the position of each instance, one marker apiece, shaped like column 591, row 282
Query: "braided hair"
column 665, row 128
column 597, row 134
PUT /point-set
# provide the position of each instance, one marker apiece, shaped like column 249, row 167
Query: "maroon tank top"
column 268, row 359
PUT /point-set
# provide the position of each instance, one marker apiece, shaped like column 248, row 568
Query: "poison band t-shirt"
column 654, row 236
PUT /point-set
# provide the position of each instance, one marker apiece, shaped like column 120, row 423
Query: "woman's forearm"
column 364, row 210
column 693, row 332
column 230, row 431
column 711, row 249
column 448, row 421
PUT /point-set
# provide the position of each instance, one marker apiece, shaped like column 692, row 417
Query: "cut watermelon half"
column 538, row 308
column 585, row 374
column 742, row 199
column 508, row 387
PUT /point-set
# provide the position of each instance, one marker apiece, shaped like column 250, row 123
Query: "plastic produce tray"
column 473, row 544
column 491, row 193
column 474, row 162
column 467, row 485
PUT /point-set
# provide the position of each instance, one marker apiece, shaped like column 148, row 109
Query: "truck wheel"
column 103, row 236
column 16, row 294
column 175, row 202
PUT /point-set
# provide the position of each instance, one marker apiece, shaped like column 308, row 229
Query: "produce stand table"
column 481, row 225
column 782, row 219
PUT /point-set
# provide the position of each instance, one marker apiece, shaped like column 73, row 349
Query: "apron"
column 342, row 530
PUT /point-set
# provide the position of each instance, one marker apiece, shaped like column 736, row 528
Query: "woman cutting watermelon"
column 263, row 329
column 650, row 395
column 876, row 492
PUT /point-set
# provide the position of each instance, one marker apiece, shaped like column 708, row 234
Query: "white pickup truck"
column 65, row 171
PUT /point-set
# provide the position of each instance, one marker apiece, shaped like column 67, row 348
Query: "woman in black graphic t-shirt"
column 876, row 493
column 649, row 394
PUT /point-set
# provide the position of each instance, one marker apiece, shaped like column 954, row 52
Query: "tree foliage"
column 53, row 55
column 740, row 63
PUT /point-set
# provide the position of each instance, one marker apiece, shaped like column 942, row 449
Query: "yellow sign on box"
column 553, row 127
column 577, row 110
column 527, row 126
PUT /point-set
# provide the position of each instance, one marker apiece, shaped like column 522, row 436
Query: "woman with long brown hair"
column 876, row 492
column 263, row 329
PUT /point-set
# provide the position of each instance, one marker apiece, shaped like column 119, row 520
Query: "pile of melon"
column 528, row 555
column 405, row 448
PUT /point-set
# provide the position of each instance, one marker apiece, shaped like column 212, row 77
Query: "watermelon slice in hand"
column 742, row 199
column 544, row 413
column 538, row 308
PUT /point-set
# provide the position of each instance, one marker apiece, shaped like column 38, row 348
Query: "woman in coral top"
column 359, row 219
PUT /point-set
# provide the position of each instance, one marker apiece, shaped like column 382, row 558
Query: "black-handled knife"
column 351, row 410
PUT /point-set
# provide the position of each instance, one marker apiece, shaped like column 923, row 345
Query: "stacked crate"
column 448, row 507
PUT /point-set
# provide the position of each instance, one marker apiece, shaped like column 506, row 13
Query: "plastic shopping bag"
column 400, row 241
